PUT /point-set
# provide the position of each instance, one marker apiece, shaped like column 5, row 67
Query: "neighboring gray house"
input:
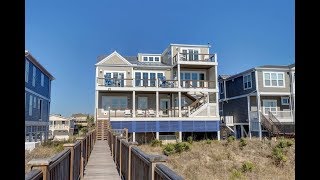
column 264, row 95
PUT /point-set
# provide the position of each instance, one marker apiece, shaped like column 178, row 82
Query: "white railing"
column 283, row 116
column 227, row 120
column 59, row 126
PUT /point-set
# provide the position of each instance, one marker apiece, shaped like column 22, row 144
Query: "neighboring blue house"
column 37, row 99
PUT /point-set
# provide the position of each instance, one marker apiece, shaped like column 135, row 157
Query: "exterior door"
column 165, row 106
column 269, row 105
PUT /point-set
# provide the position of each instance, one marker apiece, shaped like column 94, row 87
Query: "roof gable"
column 114, row 58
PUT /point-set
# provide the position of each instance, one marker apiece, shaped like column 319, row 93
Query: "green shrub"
column 279, row 156
column 289, row 143
column 231, row 139
column 181, row 146
column 236, row 175
column 247, row 167
column 242, row 143
column 190, row 139
column 169, row 149
column 208, row 141
column 156, row 142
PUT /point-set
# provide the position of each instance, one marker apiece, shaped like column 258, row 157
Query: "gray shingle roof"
column 273, row 66
column 134, row 60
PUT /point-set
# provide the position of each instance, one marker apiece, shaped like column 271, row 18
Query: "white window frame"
column 221, row 87
column 243, row 78
column 198, row 72
column 141, row 80
column 34, row 73
column 151, row 56
column 277, row 86
column 27, row 71
column 34, row 102
column 188, row 51
column 269, row 100
column 144, row 98
column 30, row 105
column 42, row 79
column 284, row 98
column 124, row 72
column 103, row 99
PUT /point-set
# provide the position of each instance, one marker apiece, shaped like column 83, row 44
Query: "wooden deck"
column 101, row 164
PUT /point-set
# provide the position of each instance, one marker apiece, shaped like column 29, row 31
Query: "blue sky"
column 66, row 37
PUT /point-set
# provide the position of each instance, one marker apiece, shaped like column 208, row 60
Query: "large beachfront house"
column 37, row 99
column 175, row 91
column 61, row 128
column 259, row 101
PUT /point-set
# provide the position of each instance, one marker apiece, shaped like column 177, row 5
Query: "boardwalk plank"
column 101, row 164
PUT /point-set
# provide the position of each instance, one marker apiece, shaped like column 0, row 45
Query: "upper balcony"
column 190, row 59
column 153, row 84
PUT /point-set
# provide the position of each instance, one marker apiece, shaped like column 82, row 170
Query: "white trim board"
column 34, row 93
column 112, row 54
column 275, row 93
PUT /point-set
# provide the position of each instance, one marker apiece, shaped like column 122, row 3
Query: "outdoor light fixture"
column 100, row 70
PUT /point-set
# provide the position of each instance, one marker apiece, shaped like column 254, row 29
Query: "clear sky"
column 66, row 37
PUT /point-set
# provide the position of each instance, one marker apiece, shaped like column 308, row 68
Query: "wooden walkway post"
column 43, row 165
column 81, row 139
column 71, row 147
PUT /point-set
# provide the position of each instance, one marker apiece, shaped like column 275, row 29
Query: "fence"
column 132, row 163
column 66, row 165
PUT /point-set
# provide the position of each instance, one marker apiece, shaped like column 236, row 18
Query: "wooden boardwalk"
column 101, row 164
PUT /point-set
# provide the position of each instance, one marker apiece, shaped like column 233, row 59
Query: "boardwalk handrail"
column 68, row 164
column 35, row 174
column 132, row 163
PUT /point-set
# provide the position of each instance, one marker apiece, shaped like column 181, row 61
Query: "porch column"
column 259, row 116
column 133, row 105
column 217, row 88
column 178, row 73
column 179, row 103
column 133, row 136
column 291, row 109
column 218, row 135
column 180, row 136
column 157, row 135
column 241, row 127
column 249, row 116
column 30, row 136
column 235, row 130
column 157, row 103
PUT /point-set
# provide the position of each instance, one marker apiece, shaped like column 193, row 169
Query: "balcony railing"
column 59, row 126
column 107, row 82
column 174, row 112
column 194, row 57
column 281, row 116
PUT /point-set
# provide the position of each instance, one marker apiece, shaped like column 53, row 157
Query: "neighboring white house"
column 60, row 127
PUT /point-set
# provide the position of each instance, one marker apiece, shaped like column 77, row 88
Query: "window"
column 114, row 102
column 273, row 79
column 191, row 79
column 221, row 88
column 40, row 108
column 285, row 100
column 114, row 79
column 30, row 105
column 42, row 79
column 183, row 102
column 34, row 76
column 190, row 55
column 247, row 81
column 151, row 58
column 148, row 78
column 34, row 102
column 269, row 105
column 27, row 71
column 142, row 102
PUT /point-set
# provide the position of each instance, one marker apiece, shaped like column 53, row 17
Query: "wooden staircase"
column 276, row 128
column 102, row 129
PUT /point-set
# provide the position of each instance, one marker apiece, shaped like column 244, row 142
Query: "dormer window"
column 151, row 58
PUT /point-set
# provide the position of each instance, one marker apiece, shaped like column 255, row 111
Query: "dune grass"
column 233, row 159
